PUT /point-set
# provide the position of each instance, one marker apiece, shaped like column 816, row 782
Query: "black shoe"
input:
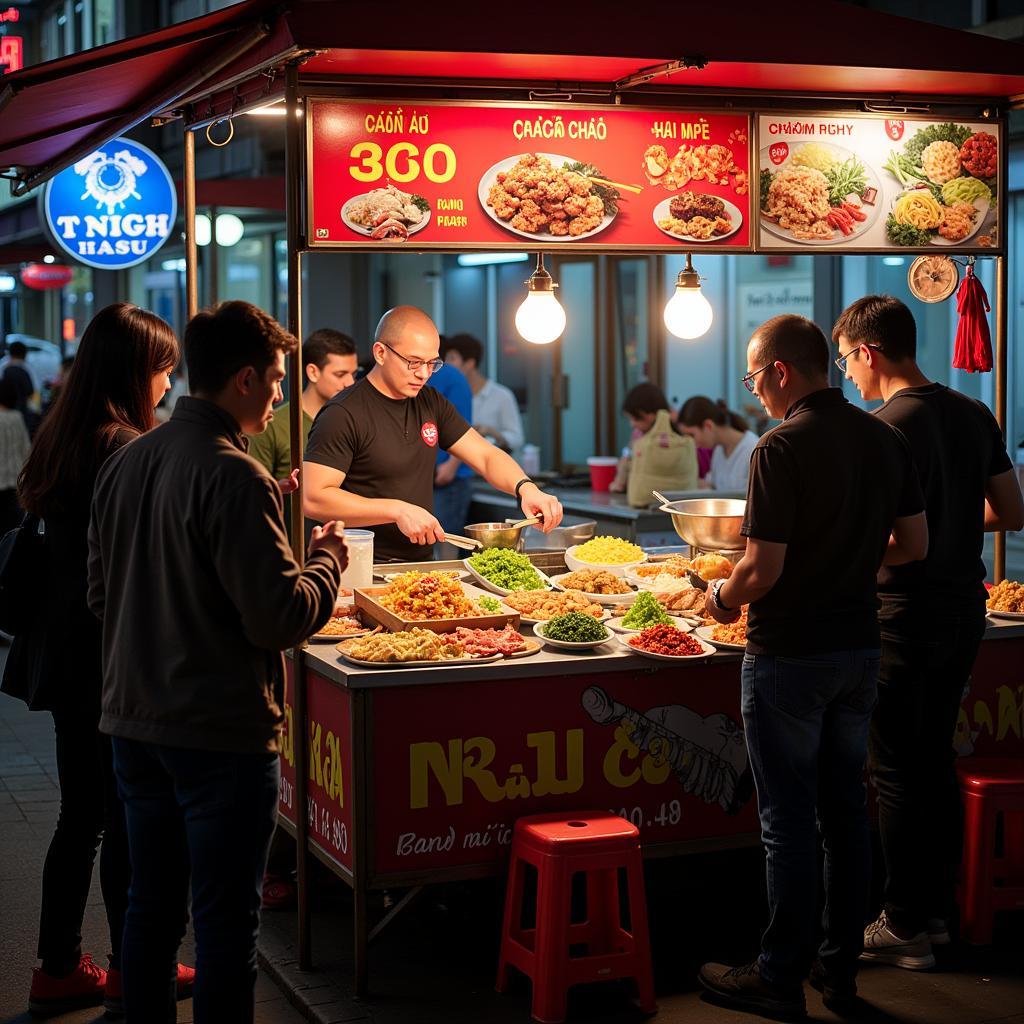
column 838, row 994
column 744, row 987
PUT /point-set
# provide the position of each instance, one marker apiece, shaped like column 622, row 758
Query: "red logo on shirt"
column 429, row 433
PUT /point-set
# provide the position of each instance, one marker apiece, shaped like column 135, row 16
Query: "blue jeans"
column 806, row 725
column 214, row 813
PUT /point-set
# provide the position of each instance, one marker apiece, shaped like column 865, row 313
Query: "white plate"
column 495, row 589
column 617, row 625
column 981, row 204
column 707, row 652
column 489, row 178
column 567, row 645
column 704, row 632
column 871, row 181
column 386, row 666
column 1013, row 616
column 359, row 229
column 595, row 598
column 661, row 211
column 507, row 609
column 322, row 638
column 575, row 564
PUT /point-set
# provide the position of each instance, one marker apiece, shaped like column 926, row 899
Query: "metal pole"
column 191, row 253
column 293, row 171
column 213, row 269
column 1001, row 354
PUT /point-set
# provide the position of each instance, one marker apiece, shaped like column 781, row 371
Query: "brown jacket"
column 191, row 573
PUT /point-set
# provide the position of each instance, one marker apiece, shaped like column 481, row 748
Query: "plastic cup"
column 359, row 571
column 602, row 471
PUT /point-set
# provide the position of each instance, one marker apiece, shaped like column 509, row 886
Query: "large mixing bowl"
column 712, row 524
column 495, row 535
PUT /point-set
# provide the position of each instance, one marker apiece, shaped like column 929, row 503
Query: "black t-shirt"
column 386, row 448
column 956, row 446
column 827, row 482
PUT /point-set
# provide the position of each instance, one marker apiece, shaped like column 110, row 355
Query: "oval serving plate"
column 704, row 633
column 567, row 645
column 706, row 653
column 626, row 598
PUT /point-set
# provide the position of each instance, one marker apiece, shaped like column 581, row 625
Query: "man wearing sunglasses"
column 932, row 619
column 827, row 487
column 371, row 451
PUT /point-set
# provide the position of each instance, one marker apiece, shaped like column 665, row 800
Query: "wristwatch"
column 716, row 589
column 522, row 483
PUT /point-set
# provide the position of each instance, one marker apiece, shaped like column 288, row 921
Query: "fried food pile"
column 342, row 624
column 1007, row 596
column 427, row 595
column 697, row 215
column 713, row 163
column 674, row 566
column 411, row 645
column 535, row 196
column 591, row 582
column 712, row 567
column 545, row 604
column 733, row 633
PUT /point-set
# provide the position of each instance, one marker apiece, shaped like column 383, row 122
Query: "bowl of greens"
column 575, row 631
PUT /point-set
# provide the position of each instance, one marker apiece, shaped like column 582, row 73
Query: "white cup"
column 359, row 571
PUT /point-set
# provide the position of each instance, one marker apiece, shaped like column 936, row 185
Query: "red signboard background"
column 455, row 765
column 329, row 785
column 447, row 153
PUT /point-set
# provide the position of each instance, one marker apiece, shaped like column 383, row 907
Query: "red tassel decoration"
column 973, row 350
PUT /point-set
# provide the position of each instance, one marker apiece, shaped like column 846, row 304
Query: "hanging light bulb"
column 540, row 319
column 688, row 314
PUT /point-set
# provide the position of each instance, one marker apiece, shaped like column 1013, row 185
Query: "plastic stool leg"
column 511, row 918
column 550, row 979
column 644, row 977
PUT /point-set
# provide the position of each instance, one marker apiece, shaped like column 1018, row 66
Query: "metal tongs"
column 697, row 581
column 466, row 543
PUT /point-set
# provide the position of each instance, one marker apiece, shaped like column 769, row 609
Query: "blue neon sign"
column 112, row 209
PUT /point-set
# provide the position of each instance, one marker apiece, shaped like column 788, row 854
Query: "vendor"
column 660, row 458
column 370, row 456
column 714, row 425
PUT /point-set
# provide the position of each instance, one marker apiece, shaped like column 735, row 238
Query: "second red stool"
column 992, row 877
column 557, row 952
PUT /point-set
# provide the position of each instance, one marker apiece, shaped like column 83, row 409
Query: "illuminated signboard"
column 114, row 208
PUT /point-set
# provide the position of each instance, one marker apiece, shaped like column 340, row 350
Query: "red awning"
column 67, row 106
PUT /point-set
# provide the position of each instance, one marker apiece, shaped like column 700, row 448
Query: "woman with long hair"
column 660, row 457
column 714, row 425
column 119, row 375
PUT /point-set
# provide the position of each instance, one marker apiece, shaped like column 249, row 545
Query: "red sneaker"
column 83, row 987
column 113, row 1001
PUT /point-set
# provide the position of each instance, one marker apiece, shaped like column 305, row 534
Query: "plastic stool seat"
column 558, row 952
column 993, row 792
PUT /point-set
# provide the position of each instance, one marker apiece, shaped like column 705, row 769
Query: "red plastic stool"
column 990, row 880
column 558, row 952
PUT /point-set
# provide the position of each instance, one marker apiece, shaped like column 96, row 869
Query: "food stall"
column 406, row 775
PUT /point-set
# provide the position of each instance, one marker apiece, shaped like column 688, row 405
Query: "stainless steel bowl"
column 564, row 536
column 712, row 524
column 495, row 535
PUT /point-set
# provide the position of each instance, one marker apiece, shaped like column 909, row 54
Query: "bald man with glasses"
column 371, row 452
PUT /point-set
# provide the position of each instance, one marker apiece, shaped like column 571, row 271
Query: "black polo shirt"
column 386, row 448
column 956, row 446
column 827, row 482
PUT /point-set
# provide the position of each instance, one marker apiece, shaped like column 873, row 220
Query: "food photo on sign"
column 874, row 182
column 490, row 175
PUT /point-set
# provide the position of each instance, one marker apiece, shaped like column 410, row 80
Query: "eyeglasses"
column 748, row 378
column 841, row 360
column 415, row 365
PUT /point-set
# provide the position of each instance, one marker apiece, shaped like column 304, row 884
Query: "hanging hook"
column 231, row 132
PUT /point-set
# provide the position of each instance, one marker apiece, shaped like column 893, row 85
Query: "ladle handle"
column 532, row 521
column 661, row 497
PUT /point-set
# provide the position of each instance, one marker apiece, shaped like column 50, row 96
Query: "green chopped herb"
column 646, row 611
column 766, row 183
column 421, row 203
column 506, row 569
column 609, row 196
column 575, row 628
column 905, row 234
column 489, row 604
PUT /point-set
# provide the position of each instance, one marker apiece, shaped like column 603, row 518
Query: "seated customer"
column 713, row 425
column 660, row 458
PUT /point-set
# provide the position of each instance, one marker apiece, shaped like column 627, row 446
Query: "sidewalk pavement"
column 435, row 963
column 29, row 801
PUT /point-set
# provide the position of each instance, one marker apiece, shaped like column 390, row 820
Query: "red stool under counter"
column 992, row 875
column 557, row 952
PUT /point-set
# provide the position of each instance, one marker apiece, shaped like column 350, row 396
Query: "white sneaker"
column 883, row 946
column 938, row 932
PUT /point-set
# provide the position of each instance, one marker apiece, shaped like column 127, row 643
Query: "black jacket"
column 191, row 572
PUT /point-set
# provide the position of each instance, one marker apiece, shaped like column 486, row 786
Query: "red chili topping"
column 666, row 640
